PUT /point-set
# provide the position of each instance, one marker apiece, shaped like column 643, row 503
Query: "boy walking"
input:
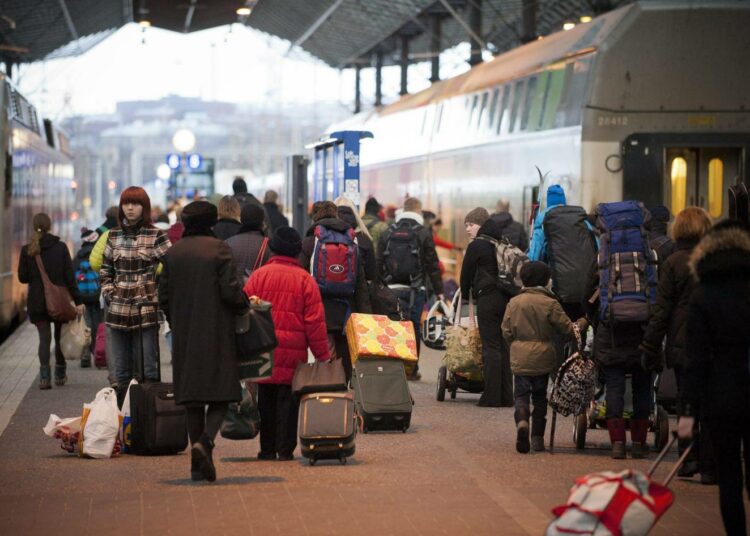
column 531, row 321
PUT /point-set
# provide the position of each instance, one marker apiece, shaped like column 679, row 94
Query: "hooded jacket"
column 511, row 230
column 479, row 268
column 91, row 276
column 538, row 246
column 718, row 339
column 532, row 321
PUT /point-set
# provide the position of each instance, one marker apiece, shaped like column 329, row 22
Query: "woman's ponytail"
column 42, row 225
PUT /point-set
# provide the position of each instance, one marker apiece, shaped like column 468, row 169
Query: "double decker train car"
column 37, row 172
column 648, row 102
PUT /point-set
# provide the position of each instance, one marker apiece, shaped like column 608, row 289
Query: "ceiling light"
column 585, row 19
column 243, row 11
column 145, row 23
column 569, row 26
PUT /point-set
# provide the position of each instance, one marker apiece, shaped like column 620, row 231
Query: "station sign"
column 173, row 161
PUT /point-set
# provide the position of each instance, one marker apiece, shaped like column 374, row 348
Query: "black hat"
column 199, row 217
column 660, row 213
column 372, row 206
column 535, row 274
column 286, row 241
column 89, row 235
column 252, row 217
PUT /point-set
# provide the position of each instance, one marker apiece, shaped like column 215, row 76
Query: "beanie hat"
column 89, row 235
column 535, row 274
column 252, row 217
column 660, row 213
column 286, row 241
column 372, row 206
column 199, row 217
column 477, row 216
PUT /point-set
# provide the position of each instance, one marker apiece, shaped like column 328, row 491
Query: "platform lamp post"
column 183, row 141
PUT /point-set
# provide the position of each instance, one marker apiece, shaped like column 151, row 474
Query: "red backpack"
column 334, row 262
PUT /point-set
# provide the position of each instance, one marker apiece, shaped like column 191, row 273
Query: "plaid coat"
column 128, row 274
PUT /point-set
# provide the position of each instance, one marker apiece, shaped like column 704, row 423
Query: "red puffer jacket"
column 298, row 314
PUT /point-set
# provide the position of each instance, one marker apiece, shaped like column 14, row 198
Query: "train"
column 38, row 176
column 649, row 102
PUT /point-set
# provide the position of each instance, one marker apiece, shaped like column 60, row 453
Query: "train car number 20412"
column 612, row 121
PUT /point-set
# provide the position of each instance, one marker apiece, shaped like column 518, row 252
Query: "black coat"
column 512, row 230
column 246, row 198
column 337, row 310
column 275, row 216
column 200, row 295
column 659, row 241
column 669, row 314
column 226, row 228
column 718, row 339
column 59, row 267
column 479, row 268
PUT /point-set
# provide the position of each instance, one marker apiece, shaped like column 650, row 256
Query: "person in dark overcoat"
column 200, row 294
column 717, row 372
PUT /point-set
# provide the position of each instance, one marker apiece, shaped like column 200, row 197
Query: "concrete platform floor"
column 454, row 472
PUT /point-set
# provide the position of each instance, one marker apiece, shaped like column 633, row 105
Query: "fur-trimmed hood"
column 724, row 253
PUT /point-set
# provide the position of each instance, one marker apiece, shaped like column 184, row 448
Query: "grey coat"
column 200, row 294
column 245, row 248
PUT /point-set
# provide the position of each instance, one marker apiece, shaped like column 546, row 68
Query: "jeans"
column 45, row 339
column 614, row 378
column 93, row 316
column 534, row 389
column 124, row 349
column 413, row 313
column 278, row 409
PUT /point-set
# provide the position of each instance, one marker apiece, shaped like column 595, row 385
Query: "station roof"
column 340, row 32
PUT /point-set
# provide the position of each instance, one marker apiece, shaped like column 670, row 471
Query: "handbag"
column 463, row 343
column 383, row 300
column 254, row 331
column 319, row 376
column 57, row 299
column 242, row 420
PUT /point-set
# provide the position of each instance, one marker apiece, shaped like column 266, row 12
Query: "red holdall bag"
column 100, row 347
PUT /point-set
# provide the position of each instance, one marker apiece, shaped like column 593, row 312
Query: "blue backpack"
column 627, row 265
column 88, row 281
column 334, row 262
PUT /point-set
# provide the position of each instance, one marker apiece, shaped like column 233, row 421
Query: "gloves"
column 685, row 427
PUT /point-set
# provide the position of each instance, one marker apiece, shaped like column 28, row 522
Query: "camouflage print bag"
column 463, row 345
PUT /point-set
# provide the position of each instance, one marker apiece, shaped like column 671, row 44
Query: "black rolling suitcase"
column 381, row 394
column 158, row 424
column 327, row 426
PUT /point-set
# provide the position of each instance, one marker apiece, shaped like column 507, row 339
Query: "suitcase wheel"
column 312, row 461
column 403, row 429
column 342, row 460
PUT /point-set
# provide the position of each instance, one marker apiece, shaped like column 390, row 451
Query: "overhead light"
column 145, row 23
column 585, row 19
column 569, row 26
column 243, row 11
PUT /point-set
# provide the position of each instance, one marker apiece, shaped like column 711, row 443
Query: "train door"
column 700, row 176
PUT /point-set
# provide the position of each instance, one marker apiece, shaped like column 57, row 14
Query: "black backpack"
column 403, row 264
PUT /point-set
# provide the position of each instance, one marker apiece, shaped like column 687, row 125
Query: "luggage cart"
column 470, row 382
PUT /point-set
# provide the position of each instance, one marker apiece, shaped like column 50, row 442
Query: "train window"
column 530, row 91
column 493, row 105
column 503, row 117
column 552, row 99
column 678, row 176
column 473, row 107
column 569, row 111
column 482, row 108
column 715, row 187
column 518, row 95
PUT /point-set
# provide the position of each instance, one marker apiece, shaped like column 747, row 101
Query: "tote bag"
column 56, row 298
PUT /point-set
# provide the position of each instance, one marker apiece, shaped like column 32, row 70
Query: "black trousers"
column 730, row 437
column 703, row 451
column 45, row 339
column 278, row 409
column 498, row 379
column 339, row 349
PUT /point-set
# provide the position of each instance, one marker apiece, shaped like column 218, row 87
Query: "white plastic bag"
column 75, row 339
column 102, row 425
column 126, row 419
column 66, row 430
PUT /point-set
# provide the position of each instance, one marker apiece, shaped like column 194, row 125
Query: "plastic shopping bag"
column 126, row 420
column 100, row 425
column 75, row 339
column 66, row 430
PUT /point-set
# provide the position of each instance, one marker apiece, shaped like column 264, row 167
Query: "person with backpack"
column 249, row 246
column 372, row 220
column 479, row 281
column 624, row 283
column 511, row 230
column 89, row 288
column 658, row 238
column 347, row 212
column 331, row 254
column 717, row 372
column 409, row 264
column 669, row 319
column 532, row 322
column 45, row 252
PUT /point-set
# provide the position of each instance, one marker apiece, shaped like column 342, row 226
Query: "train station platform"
column 455, row 472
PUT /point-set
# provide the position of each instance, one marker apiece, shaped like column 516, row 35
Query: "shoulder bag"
column 57, row 299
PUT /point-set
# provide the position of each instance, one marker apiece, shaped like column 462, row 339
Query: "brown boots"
column 616, row 429
column 638, row 433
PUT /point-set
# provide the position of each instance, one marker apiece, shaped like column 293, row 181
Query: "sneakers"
column 44, row 381
column 522, row 437
column 537, row 443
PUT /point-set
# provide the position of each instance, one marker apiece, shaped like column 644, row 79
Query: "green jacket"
column 375, row 227
column 532, row 319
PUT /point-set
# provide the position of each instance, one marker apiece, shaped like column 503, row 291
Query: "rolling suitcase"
column 327, row 426
column 158, row 424
column 382, row 395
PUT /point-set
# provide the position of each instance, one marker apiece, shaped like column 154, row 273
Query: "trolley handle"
column 676, row 466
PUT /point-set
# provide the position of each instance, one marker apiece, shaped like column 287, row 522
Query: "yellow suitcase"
column 379, row 336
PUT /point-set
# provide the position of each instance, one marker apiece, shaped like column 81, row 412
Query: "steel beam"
column 315, row 25
column 68, row 19
column 189, row 15
column 475, row 21
column 463, row 24
column 436, row 28
column 379, row 78
column 528, row 13
column 404, row 65
column 357, row 90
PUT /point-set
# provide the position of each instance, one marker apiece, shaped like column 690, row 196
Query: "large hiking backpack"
column 403, row 264
column 88, row 281
column 510, row 260
column 571, row 249
column 334, row 262
column 627, row 266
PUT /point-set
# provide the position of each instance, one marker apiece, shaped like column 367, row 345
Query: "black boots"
column 638, row 434
column 616, row 429
column 201, row 460
column 522, row 437
column 537, row 434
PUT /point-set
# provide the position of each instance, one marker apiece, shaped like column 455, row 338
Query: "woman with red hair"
column 128, row 278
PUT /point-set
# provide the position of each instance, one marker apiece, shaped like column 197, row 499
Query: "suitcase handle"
column 676, row 466
column 157, row 356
